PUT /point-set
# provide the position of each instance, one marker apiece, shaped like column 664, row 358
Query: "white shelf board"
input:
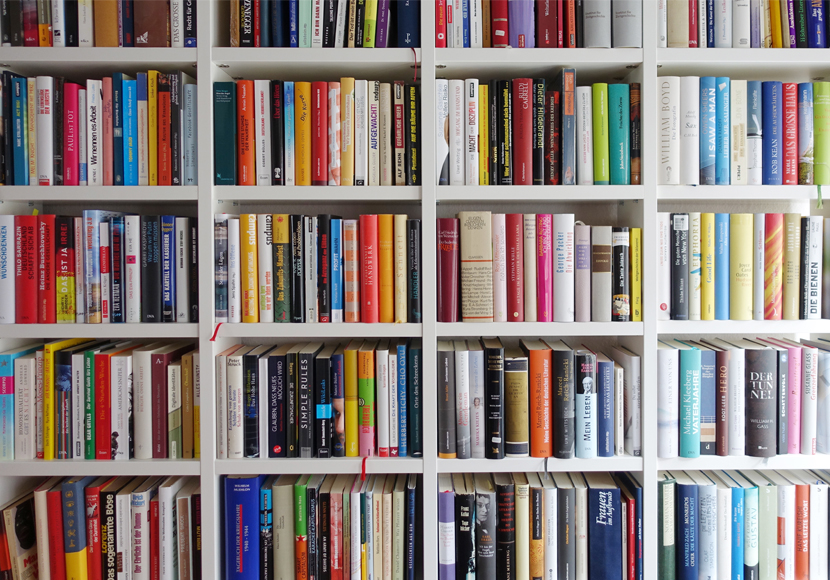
column 314, row 465
column 526, row 329
column 260, row 193
column 104, row 194
column 819, row 461
column 66, row 60
column 319, row 330
column 513, row 464
column 165, row 330
column 761, row 327
column 736, row 193
column 766, row 63
column 537, row 193
column 65, row 467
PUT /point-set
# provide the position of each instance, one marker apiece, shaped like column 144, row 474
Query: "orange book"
column 105, row 23
column 248, row 267
column 165, row 168
column 386, row 265
column 302, row 133
column 775, row 23
column 246, row 173
column 539, row 396
column 802, row 531
column 369, row 292
column 351, row 270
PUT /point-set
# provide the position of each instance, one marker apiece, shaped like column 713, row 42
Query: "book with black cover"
column 761, row 401
column 193, row 270
column 446, row 400
column 323, row 426
column 277, row 400
column 494, row 399
column 680, row 266
column 553, row 148
column 250, row 370
column 538, row 131
column 291, row 409
column 324, row 267
column 485, row 526
column 465, row 546
column 151, row 268
column 297, row 269
column 563, row 400
column 277, row 125
column 506, row 527
column 305, row 398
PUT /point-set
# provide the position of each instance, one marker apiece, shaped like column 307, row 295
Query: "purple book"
column 755, row 24
column 382, row 26
column 790, row 22
column 521, row 24
column 446, row 529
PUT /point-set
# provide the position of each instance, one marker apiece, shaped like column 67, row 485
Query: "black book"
column 277, row 399
column 70, row 23
column 305, row 399
column 11, row 22
column 580, row 29
column 566, row 532
column 494, row 399
column 151, row 268
column 292, row 364
column 324, row 530
column 680, row 266
column 117, row 269
column 190, row 28
column 414, row 415
column 506, row 527
column 493, row 134
column 412, row 99
column 359, row 22
column 323, row 426
column 193, row 270
column 413, row 281
column 196, row 531
column 246, row 22
column 563, row 400
column 277, row 130
column 538, row 131
column 315, row 482
column 446, row 400
column 251, row 378
column 279, row 23
column 465, row 544
column 57, row 115
column 8, row 131
column 485, row 526
column 297, row 269
column 620, row 294
column 504, row 122
column 324, row 268
column 176, row 100
column 329, row 24
column 761, row 402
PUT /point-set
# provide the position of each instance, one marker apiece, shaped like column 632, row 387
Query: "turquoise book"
column 7, row 398
column 689, row 400
column 721, row 266
column 224, row 133
column 722, row 127
column 619, row 134
column 130, row 117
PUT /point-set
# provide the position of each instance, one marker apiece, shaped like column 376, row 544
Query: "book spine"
column 773, row 266
column 758, row 239
column 605, row 409
column 772, row 127
column 582, row 277
column 740, row 263
column 563, row 267
column 708, row 131
column 552, row 146
column 669, row 131
column 668, row 392
column 790, row 132
column 531, row 256
column 738, row 123
column 680, row 267
column 792, row 266
column 754, row 133
column 723, row 130
column 584, row 137
column 805, row 134
column 514, row 266
column 168, row 268
column 690, row 402
column 470, row 131
column 544, row 268
column 586, row 404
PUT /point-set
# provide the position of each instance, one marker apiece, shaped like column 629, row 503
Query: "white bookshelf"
column 634, row 205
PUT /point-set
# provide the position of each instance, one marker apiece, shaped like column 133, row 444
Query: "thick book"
column 447, row 444
column 680, row 266
column 242, row 542
column 605, row 528
column 506, row 527
column 761, row 401
column 601, row 278
column 563, row 403
column 585, row 380
column 494, row 398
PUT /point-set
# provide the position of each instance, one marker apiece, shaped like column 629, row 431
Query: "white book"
column 143, row 400
column 723, row 495
column 288, row 89
column 471, row 117
column 663, row 266
column 581, row 525
column 7, row 281
column 707, row 524
column 499, row 268
column 78, row 409
column 814, row 291
column 619, row 410
column 457, row 22
column 310, row 265
column 442, row 146
column 42, row 525
column 373, row 149
column 669, row 121
column 825, row 305
column 31, row 127
column 584, row 134
column 106, row 276
column 738, row 154
column 529, row 254
column 176, row 23
column 25, row 386
column 354, row 529
column 767, row 525
column 662, row 25
column 758, row 241
column 386, row 135
column 462, row 399
column 82, row 138
column 600, row 281
column 361, row 132
column 234, row 271
column 702, row 31
column 563, row 267
column 632, row 389
column 167, row 526
column 80, row 281
column 668, row 401
column 694, row 266
column 140, row 517
column 222, row 403
column 317, row 24
column 382, row 382
column 823, row 402
column 235, row 380
column 809, row 399
column 456, row 131
column 94, row 145
column 550, row 502
column 58, row 25
column 476, row 33
column 124, row 529
column 690, row 130
column 262, row 131
column 265, row 267
column 393, row 400
column 818, row 522
column 478, row 425
column 340, row 25
column 121, row 372
column 45, row 120
column 132, row 267
column 786, row 521
column 723, row 23
column 741, row 27
column 183, row 247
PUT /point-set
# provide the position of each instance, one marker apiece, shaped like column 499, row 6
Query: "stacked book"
column 540, row 525
column 317, row 524
column 727, row 24
column 333, row 24
column 299, row 268
column 534, row 132
column 539, row 399
column 100, row 527
column 363, row 398
column 538, row 24
column 351, row 132
column 113, row 131
column 537, row 267
column 105, row 399
column 104, row 267
column 741, row 266
column 737, row 132
column 756, row 396
column 110, row 23
column 743, row 524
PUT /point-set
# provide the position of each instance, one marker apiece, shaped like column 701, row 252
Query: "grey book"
column 627, row 25
column 596, row 22
column 485, row 526
column 446, row 400
column 566, row 499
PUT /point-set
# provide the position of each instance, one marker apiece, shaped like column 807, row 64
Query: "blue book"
column 566, row 81
column 721, row 266
column 771, row 94
column 403, row 450
column 708, row 130
column 168, row 268
column 619, row 138
column 338, row 402
column 605, row 414
column 722, row 129
column 130, row 115
column 73, row 502
column 636, row 490
column 118, row 128
column 293, row 24
column 336, row 270
column 265, row 22
column 266, row 528
column 689, row 399
column 446, row 523
column 710, row 23
column 127, row 23
column 751, row 566
column 20, row 137
column 241, row 538
column 191, row 141
column 816, row 27
column 279, row 23
column 7, row 397
column 604, row 527
column 708, row 395
column 465, row 21
column 408, row 19
column 688, row 527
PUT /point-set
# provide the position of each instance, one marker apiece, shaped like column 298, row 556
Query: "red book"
column 560, row 25
column 161, row 360
column 93, row 526
column 103, row 396
column 257, row 24
column 369, row 311
column 440, row 24
column 522, row 131
column 631, row 520
column 71, row 156
column 722, row 403
column 553, row 151
column 693, row 24
column 570, row 19
column 246, row 173
column 802, row 531
column 46, row 299
column 790, row 91
column 25, row 268
column 31, row 35
column 165, row 169
column 498, row 14
column 448, row 269
column 155, row 560
column 319, row 133
column 514, row 243
column 54, row 509
column 548, row 31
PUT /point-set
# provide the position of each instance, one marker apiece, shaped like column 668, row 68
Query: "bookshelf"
column 635, row 205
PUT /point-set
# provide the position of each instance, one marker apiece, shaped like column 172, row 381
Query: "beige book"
column 388, row 527
column 678, row 25
column 737, row 100
column 385, row 134
column 740, row 266
column 522, row 499
column 398, row 524
column 792, row 266
column 581, row 526
column 283, row 521
column 400, row 267
column 476, row 266
column 516, row 437
column 184, row 533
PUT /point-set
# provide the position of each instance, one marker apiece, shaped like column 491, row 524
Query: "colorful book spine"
column 600, row 138
column 690, row 403
column 708, row 130
column 790, row 133
column 805, row 134
column 544, row 267
column 366, row 394
column 619, row 134
column 722, row 270
column 773, row 266
column 130, row 132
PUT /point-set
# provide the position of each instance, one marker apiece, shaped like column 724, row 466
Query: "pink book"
column 71, row 159
column 334, row 133
column 794, row 356
column 514, row 256
column 582, row 276
column 544, row 267
column 107, row 136
column 336, row 527
column 499, row 268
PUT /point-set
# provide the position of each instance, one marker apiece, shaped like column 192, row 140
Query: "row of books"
column 363, row 398
column 540, row 525
column 113, row 131
column 737, row 132
column 95, row 528
column 538, row 399
column 531, row 132
column 757, row 396
column 100, row 268
column 300, row 268
column 743, row 524
column 73, row 399
column 338, row 526
column 63, row 23
column 538, row 24
column 335, row 24
column 726, row 24
column 352, row 132
column 537, row 267
column 741, row 266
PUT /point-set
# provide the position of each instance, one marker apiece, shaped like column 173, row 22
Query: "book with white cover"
column 737, row 389
column 738, row 155
column 386, row 145
column 768, row 532
column 632, row 389
column 234, row 271
column 456, row 128
column 600, row 281
column 262, row 131
column 669, row 126
column 94, row 127
column 581, row 524
column 373, row 149
column 477, row 419
column 121, row 404
column 44, row 120
column 811, row 284
column 530, row 266
column 662, row 25
column 809, row 399
column 25, row 369
column 499, row 268
column 690, row 131
column 167, row 526
column 382, row 382
column 264, row 393
column 597, row 24
column 707, row 543
column 786, row 40
column 786, row 521
column 663, row 266
column 265, row 267
column 703, row 31
column 176, row 23
column 124, row 528
column 42, row 525
column 724, row 522
column 222, row 403
column 340, row 27
column 235, row 380
column 58, row 28
column 462, row 399
column 476, row 34
column 85, row 25
column 471, row 117
column 741, row 26
column 7, row 270
column 694, row 266
column 442, row 151
column 132, row 268
column 551, row 525
column 668, row 401
column 619, row 409
column 758, row 243
column 457, row 22
column 563, row 267
column 584, row 136
column 106, row 273
column 627, row 27
column 316, row 23
column 361, row 132
column 723, row 23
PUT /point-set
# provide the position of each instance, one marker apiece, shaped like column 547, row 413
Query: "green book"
column 619, row 149
column 301, row 522
column 224, row 133
column 821, row 130
column 602, row 174
column 370, row 23
column 305, row 8
column 666, row 526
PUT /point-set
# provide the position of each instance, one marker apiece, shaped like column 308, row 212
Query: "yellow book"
column 636, row 265
column 302, row 133
column 707, row 266
column 76, row 565
column 347, row 131
column 483, row 136
column 400, row 268
column 350, row 390
column 775, row 23
column 49, row 432
column 248, row 267
column 152, row 126
column 740, row 265
column 386, row 264
column 792, row 266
